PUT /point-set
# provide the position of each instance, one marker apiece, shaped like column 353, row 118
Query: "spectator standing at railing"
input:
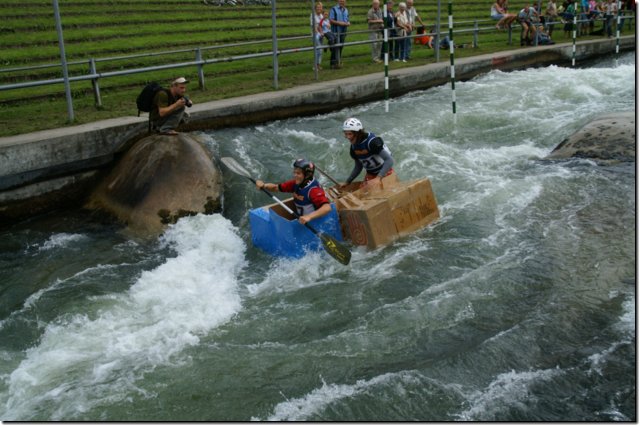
column 610, row 10
column 324, row 30
column 593, row 13
column 315, row 20
column 402, row 21
column 339, row 18
column 412, row 13
column 376, row 25
column 390, row 24
column 583, row 16
column 551, row 15
column 325, row 27
column 569, row 10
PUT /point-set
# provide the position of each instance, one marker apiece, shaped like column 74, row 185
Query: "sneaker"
column 396, row 60
column 404, row 60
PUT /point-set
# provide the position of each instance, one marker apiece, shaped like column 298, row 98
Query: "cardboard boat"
column 278, row 233
column 376, row 218
column 366, row 218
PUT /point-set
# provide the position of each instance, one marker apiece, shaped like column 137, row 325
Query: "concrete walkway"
column 65, row 160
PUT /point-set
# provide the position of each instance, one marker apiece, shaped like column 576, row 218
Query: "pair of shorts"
column 497, row 17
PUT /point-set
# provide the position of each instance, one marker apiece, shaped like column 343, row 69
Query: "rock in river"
column 160, row 179
column 607, row 139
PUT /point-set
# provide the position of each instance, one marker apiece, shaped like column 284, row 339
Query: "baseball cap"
column 180, row 80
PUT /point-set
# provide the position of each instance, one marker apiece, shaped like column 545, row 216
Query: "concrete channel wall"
column 51, row 169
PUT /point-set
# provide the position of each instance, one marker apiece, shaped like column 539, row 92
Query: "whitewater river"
column 518, row 304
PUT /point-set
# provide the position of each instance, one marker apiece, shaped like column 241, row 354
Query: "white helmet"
column 352, row 125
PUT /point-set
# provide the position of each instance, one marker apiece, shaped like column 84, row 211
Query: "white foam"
column 302, row 408
column 61, row 240
column 626, row 327
column 57, row 284
column 287, row 274
column 507, row 390
column 96, row 358
column 627, row 323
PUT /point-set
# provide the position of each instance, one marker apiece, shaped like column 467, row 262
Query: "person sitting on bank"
column 369, row 152
column 308, row 196
column 169, row 107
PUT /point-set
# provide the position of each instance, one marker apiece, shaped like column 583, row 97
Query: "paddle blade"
column 335, row 248
column 235, row 167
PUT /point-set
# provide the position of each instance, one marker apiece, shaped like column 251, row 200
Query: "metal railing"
column 94, row 75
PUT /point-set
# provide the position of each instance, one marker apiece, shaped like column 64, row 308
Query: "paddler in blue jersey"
column 369, row 152
column 308, row 196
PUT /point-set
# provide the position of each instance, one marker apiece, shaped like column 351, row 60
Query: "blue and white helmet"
column 352, row 125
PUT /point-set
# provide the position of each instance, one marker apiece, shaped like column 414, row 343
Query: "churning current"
column 517, row 305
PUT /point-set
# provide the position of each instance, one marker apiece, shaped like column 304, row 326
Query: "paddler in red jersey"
column 308, row 196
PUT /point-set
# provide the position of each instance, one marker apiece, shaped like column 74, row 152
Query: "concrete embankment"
column 46, row 170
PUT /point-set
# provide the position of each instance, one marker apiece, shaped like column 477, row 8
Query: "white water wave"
column 58, row 284
column 290, row 274
column 626, row 327
column 61, row 240
column 304, row 407
column 507, row 390
column 96, row 358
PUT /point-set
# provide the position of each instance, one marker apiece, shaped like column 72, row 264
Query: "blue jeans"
column 336, row 53
column 404, row 48
column 318, row 51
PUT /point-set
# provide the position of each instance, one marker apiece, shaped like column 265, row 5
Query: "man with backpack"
column 168, row 107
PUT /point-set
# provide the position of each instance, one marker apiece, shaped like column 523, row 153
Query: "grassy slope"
column 104, row 28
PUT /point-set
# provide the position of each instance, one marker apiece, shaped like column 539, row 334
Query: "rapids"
column 517, row 305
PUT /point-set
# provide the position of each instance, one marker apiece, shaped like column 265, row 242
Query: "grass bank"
column 103, row 29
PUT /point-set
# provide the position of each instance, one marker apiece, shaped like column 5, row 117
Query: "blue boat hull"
column 280, row 236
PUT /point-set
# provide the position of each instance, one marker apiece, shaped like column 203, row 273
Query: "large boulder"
column 160, row 179
column 607, row 139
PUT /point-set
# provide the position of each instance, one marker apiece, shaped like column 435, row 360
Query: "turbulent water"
column 518, row 304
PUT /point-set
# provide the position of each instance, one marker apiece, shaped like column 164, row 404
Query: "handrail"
column 94, row 76
column 166, row 52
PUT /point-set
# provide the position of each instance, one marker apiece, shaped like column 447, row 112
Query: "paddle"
column 332, row 246
column 336, row 190
column 327, row 175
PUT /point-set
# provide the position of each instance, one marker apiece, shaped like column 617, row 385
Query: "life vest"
column 301, row 199
column 423, row 40
column 422, row 37
column 371, row 162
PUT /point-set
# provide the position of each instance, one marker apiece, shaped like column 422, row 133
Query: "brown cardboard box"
column 377, row 218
